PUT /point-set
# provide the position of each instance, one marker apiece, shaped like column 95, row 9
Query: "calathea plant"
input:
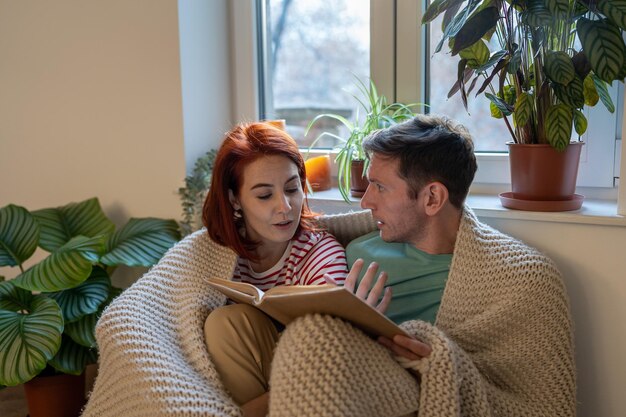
column 48, row 312
column 539, row 61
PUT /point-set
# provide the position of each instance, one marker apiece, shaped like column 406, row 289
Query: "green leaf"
column 436, row 8
column 523, row 109
column 59, row 225
column 19, row 234
column 580, row 122
column 559, row 126
column 603, row 92
column 572, row 94
column 72, row 358
column 83, row 330
column 142, row 242
column 559, row 67
column 85, row 298
column 65, row 268
column 13, row 298
column 475, row 28
column 476, row 54
column 590, row 92
column 614, row 10
column 536, row 14
column 28, row 341
column 603, row 46
column 500, row 104
column 558, row 7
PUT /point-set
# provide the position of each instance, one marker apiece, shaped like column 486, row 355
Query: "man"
column 489, row 316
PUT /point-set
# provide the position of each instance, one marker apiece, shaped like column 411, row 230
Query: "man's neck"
column 439, row 236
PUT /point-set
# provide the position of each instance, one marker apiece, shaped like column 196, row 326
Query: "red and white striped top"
column 307, row 258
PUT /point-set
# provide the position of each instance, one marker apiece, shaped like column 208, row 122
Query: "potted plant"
column 49, row 311
column 351, row 159
column 193, row 194
column 538, row 79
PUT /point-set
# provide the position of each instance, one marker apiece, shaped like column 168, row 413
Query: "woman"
column 256, row 206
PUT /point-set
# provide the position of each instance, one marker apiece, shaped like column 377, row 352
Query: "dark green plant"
column 49, row 311
column 194, row 192
column 538, row 74
column 377, row 114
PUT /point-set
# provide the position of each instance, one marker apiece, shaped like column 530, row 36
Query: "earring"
column 237, row 214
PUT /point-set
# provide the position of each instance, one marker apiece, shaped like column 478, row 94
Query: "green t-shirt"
column 417, row 278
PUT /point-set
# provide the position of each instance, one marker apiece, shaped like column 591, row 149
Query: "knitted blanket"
column 504, row 305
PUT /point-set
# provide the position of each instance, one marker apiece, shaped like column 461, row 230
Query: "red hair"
column 241, row 146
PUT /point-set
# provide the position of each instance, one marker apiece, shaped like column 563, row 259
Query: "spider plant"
column 373, row 113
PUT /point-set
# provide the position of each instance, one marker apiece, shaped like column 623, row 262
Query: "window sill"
column 593, row 211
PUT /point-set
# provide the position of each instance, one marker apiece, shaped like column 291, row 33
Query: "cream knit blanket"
column 502, row 345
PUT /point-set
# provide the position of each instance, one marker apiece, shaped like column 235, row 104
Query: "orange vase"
column 55, row 396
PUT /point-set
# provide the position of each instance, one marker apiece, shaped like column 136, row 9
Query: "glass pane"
column 490, row 134
column 312, row 54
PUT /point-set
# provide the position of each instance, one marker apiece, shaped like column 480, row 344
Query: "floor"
column 12, row 402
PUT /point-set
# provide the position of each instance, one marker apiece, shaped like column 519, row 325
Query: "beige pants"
column 241, row 342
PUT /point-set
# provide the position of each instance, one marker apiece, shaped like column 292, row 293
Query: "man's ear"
column 233, row 200
column 435, row 197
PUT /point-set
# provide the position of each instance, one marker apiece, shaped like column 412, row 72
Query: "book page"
column 241, row 292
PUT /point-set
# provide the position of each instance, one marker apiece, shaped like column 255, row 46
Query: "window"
column 312, row 54
column 312, row 49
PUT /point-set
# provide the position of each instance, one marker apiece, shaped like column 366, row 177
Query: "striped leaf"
column 580, row 122
column 523, row 109
column 29, row 340
column 141, row 242
column 19, row 234
column 59, row 225
column 559, row 126
column 572, row 94
column 603, row 46
column 590, row 92
column 83, row 330
column 603, row 92
column 65, row 268
column 73, row 358
column 85, row 298
column 13, row 298
column 558, row 7
column 536, row 14
column 614, row 10
column 559, row 67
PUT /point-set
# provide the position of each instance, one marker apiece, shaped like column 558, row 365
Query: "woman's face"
column 271, row 199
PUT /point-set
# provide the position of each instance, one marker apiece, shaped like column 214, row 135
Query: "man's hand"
column 365, row 290
column 407, row 347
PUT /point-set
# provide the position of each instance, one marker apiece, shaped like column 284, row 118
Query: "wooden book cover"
column 288, row 302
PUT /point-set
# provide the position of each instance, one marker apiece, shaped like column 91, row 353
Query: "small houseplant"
column 49, row 311
column 193, row 194
column 537, row 78
column 376, row 114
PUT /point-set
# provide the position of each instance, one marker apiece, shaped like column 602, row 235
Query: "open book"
column 288, row 302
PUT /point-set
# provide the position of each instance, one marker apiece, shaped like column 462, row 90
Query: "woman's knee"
column 230, row 324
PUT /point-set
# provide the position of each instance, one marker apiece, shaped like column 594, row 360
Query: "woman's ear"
column 233, row 200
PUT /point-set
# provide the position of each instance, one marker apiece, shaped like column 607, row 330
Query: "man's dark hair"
column 430, row 148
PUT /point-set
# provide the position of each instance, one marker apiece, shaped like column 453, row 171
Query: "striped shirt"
column 307, row 258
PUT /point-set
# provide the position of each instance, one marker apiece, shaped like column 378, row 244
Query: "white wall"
column 90, row 105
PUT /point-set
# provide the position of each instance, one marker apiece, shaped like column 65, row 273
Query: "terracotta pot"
column 540, row 172
column 358, row 180
column 55, row 396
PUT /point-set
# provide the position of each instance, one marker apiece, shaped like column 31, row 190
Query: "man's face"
column 398, row 217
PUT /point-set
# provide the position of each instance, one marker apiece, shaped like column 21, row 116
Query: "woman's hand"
column 365, row 290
